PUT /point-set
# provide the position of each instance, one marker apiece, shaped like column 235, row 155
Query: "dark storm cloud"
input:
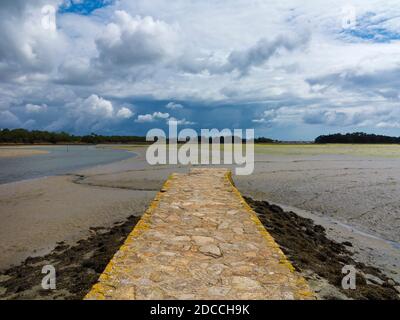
column 262, row 51
column 381, row 81
column 245, row 59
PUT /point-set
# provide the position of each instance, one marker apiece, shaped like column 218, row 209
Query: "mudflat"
column 36, row 214
column 352, row 191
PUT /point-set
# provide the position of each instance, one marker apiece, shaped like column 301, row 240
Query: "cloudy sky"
column 290, row 69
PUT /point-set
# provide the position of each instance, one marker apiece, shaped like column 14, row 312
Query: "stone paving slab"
column 200, row 240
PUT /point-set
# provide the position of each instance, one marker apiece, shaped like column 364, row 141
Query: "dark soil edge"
column 308, row 249
column 77, row 267
column 304, row 243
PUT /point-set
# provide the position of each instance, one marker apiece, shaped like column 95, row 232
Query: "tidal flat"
column 12, row 152
column 350, row 190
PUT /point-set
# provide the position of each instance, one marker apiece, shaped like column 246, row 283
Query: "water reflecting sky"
column 59, row 160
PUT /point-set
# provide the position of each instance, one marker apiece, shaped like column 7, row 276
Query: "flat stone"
column 223, row 225
column 201, row 240
column 211, row 250
column 185, row 204
column 238, row 230
column 218, row 291
column 181, row 238
column 186, row 247
column 156, row 294
column 198, row 214
column 169, row 254
column 243, row 270
column 125, row 292
column 287, row 295
column 245, row 283
column 216, row 268
column 167, row 268
column 158, row 276
column 186, row 296
column 145, row 282
column 250, row 254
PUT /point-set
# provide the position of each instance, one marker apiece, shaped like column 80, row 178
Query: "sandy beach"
column 58, row 218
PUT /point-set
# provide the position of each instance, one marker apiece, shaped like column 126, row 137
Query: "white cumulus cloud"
column 152, row 117
column 124, row 113
column 180, row 121
column 134, row 40
column 173, row 105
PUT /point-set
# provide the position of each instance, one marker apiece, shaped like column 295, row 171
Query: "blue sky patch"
column 371, row 28
column 84, row 7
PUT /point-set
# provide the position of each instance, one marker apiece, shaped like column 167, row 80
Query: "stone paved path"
column 199, row 240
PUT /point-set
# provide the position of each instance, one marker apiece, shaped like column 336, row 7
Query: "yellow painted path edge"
column 303, row 288
column 98, row 289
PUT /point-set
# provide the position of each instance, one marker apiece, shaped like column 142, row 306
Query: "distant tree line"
column 264, row 140
column 96, row 139
column 357, row 137
column 235, row 139
column 36, row 136
column 229, row 139
column 24, row 136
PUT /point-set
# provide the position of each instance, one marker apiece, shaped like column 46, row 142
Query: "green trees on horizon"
column 24, row 136
column 36, row 136
column 356, row 137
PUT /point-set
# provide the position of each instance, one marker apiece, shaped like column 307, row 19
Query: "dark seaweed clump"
column 308, row 248
column 77, row 267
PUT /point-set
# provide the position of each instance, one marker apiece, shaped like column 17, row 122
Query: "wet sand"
column 11, row 152
column 76, row 222
column 353, row 198
column 38, row 213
